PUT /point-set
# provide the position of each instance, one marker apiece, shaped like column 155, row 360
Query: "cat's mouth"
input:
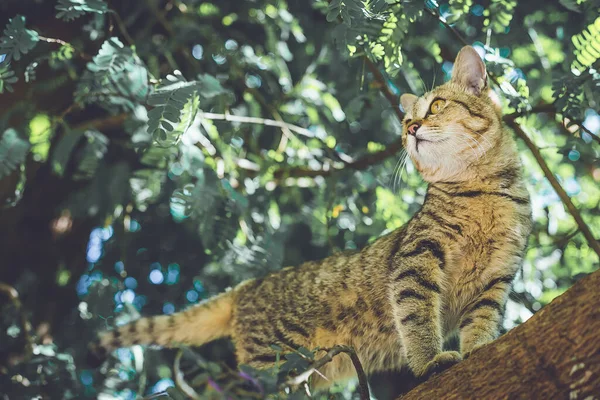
column 419, row 140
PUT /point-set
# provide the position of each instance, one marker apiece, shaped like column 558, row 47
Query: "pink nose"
column 412, row 130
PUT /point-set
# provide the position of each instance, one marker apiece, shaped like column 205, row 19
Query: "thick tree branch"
column 554, row 355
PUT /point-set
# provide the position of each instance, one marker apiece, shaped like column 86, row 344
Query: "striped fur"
column 448, row 271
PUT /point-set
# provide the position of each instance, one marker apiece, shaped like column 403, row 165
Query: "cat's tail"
column 194, row 326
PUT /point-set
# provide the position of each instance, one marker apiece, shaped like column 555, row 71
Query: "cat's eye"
column 436, row 106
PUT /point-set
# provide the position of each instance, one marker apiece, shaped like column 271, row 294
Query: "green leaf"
column 72, row 9
column 115, row 79
column 587, row 47
column 13, row 150
column 176, row 102
column 17, row 39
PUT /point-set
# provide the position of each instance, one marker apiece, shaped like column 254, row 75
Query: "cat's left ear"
column 408, row 100
column 469, row 71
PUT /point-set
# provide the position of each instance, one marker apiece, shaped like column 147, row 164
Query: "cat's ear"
column 469, row 71
column 408, row 101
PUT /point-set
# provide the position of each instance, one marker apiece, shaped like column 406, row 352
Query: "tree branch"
column 565, row 364
column 83, row 55
column 550, row 109
column 384, row 88
column 593, row 243
column 255, row 120
column 367, row 160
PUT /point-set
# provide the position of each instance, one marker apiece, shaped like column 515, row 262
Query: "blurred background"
column 156, row 152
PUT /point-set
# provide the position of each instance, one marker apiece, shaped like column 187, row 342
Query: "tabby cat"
column 447, row 271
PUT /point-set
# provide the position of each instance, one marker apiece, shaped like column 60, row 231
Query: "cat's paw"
column 441, row 362
column 475, row 348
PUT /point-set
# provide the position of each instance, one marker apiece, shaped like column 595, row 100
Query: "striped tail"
column 195, row 326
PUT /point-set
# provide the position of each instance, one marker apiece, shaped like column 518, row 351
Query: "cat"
column 447, row 271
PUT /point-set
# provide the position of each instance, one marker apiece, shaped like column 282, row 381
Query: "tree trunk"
column 554, row 355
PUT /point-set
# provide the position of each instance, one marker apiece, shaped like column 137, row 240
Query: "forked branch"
column 363, row 386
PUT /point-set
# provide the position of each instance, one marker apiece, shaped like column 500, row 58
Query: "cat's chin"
column 439, row 171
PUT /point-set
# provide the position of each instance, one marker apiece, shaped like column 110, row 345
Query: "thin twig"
column 13, row 296
column 363, row 386
column 447, row 25
column 180, row 379
column 593, row 135
column 83, row 55
column 384, row 88
column 255, row 120
column 122, row 27
column 357, row 165
column 549, row 108
column 593, row 243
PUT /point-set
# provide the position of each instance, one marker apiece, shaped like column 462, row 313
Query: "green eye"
column 436, row 106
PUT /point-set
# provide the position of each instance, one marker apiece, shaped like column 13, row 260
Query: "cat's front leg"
column 415, row 299
column 480, row 322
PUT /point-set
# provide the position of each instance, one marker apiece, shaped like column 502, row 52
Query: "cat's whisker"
column 490, row 145
column 423, row 84
column 479, row 145
column 392, row 179
column 468, row 139
column 398, row 182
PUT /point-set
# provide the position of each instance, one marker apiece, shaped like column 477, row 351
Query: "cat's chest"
column 489, row 247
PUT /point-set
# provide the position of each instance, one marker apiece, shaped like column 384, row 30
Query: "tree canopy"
column 156, row 152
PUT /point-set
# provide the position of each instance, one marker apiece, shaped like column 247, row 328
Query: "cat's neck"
column 499, row 170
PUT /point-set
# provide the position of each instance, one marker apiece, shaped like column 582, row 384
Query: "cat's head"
column 449, row 130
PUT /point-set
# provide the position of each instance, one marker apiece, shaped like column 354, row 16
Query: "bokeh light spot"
column 168, row 308
column 156, row 277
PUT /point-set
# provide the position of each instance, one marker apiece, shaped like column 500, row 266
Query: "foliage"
column 16, row 39
column 114, row 79
column 176, row 102
column 13, row 151
column 155, row 153
column 587, row 45
column 72, row 9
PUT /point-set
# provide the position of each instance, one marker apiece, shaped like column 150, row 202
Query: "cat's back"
column 340, row 294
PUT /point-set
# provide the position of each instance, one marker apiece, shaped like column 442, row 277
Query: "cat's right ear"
column 408, row 101
column 469, row 71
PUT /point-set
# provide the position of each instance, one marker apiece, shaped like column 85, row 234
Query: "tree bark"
column 554, row 355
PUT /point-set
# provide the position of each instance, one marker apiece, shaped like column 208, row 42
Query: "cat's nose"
column 412, row 130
